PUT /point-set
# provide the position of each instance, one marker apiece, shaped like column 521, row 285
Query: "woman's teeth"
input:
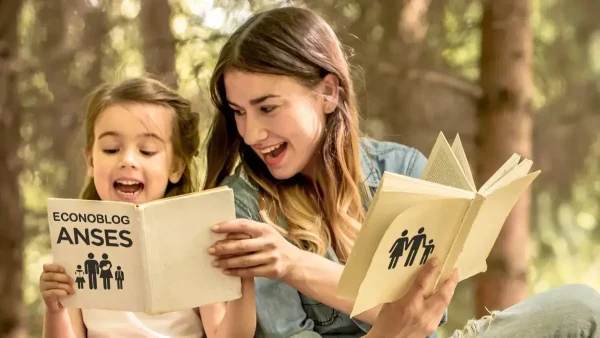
column 270, row 149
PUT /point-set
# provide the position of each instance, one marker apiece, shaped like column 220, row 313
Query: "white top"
column 109, row 324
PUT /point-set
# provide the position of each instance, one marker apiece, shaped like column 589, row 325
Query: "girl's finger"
column 56, row 277
column 54, row 295
column 246, row 261
column 57, row 288
column 53, row 267
column 237, row 247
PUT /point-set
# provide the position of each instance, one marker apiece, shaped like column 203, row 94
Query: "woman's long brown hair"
column 298, row 43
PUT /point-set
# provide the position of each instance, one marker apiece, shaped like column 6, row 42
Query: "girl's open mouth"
column 128, row 187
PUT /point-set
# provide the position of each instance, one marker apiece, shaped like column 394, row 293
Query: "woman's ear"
column 177, row 170
column 331, row 90
column 89, row 163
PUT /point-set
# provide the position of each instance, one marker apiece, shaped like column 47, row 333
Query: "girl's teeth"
column 128, row 182
column 129, row 193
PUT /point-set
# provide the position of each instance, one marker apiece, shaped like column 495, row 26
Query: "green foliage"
column 462, row 37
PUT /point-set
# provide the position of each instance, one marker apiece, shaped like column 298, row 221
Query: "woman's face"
column 281, row 119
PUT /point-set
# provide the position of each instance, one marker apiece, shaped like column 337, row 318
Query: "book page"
column 99, row 244
column 487, row 225
column 504, row 169
column 517, row 172
column 403, row 183
column 459, row 152
column 178, row 235
column 386, row 206
column 442, row 166
column 422, row 232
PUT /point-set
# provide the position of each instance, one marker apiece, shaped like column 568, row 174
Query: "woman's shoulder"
column 380, row 156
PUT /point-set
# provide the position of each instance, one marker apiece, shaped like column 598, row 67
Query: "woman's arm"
column 268, row 254
column 317, row 278
column 65, row 323
column 236, row 319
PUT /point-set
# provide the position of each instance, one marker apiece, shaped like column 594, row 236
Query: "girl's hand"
column 54, row 285
column 264, row 254
column 416, row 314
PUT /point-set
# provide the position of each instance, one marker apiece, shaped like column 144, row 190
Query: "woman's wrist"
column 295, row 270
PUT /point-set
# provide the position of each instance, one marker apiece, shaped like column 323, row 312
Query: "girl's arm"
column 59, row 321
column 235, row 319
column 64, row 323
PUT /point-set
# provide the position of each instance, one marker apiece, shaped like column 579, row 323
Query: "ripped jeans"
column 570, row 311
column 564, row 312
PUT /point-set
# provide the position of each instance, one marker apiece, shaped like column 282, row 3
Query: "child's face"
column 282, row 120
column 132, row 157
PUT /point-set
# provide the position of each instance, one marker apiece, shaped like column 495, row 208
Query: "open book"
column 149, row 258
column 440, row 215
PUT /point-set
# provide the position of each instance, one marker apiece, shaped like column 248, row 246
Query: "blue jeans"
column 570, row 311
column 564, row 312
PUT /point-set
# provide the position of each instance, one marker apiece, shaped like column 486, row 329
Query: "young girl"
column 287, row 115
column 141, row 138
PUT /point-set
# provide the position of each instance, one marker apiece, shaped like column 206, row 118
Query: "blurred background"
column 509, row 76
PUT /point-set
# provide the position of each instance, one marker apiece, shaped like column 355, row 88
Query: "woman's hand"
column 266, row 253
column 54, row 285
column 416, row 314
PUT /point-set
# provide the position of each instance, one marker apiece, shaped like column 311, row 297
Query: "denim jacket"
column 282, row 311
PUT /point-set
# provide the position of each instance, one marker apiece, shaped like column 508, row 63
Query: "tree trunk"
column 11, row 207
column 505, row 126
column 159, row 43
column 58, row 119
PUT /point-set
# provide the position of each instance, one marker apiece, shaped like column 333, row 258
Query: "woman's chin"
column 282, row 174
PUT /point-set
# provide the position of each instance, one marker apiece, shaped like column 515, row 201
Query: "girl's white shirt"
column 110, row 324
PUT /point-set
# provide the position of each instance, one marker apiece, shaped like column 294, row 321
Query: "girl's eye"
column 147, row 153
column 110, row 151
column 267, row 109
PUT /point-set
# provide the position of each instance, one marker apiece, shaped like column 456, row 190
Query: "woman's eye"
column 110, row 151
column 267, row 109
column 238, row 112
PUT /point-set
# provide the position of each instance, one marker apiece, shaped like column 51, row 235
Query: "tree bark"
column 159, row 43
column 58, row 119
column 505, row 126
column 11, row 206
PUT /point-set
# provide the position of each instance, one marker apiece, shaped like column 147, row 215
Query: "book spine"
column 145, row 261
column 459, row 240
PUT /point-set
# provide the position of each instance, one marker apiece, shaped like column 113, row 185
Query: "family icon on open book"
column 413, row 246
column 94, row 270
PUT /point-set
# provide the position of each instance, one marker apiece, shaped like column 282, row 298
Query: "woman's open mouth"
column 273, row 155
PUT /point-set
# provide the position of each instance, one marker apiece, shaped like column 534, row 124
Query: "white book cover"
column 149, row 258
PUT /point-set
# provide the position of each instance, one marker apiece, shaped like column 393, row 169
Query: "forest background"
column 509, row 76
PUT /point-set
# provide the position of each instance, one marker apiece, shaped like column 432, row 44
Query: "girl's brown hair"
column 298, row 43
column 144, row 90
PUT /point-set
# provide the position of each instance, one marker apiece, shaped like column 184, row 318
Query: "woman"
column 287, row 115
